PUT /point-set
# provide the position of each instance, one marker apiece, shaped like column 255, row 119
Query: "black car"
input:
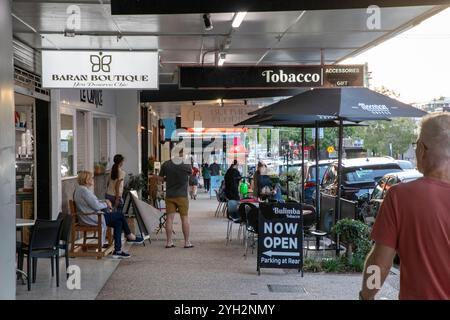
column 359, row 177
column 370, row 211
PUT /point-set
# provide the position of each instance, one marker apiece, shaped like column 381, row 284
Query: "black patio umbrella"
column 296, row 121
column 351, row 104
column 302, row 122
column 316, row 121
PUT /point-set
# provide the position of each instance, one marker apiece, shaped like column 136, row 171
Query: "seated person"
column 87, row 202
column 268, row 188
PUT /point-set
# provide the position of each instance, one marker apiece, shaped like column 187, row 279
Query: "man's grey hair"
column 435, row 135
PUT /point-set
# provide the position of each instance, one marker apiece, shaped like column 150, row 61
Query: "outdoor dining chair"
column 221, row 206
column 233, row 217
column 251, row 227
column 64, row 238
column 44, row 243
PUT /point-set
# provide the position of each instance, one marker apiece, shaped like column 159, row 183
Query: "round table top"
column 24, row 223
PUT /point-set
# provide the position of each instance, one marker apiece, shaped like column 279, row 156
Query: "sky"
column 416, row 63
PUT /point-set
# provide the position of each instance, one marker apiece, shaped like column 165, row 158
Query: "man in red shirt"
column 414, row 222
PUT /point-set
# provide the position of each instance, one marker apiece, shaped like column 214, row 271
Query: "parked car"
column 359, row 177
column 310, row 178
column 294, row 166
column 370, row 211
column 406, row 165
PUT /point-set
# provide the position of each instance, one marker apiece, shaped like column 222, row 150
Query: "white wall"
column 7, row 158
column 55, row 158
column 72, row 97
column 128, row 128
column 123, row 108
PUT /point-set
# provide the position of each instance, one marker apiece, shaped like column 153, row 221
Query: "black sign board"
column 269, row 77
column 280, row 236
column 220, row 6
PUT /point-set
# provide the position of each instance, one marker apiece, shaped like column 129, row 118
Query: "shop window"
column 67, row 145
column 101, row 145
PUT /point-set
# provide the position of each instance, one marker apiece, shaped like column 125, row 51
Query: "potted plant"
column 135, row 182
column 356, row 235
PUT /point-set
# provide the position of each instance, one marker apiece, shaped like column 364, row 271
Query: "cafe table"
column 20, row 224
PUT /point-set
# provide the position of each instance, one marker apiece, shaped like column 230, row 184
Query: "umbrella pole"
column 317, row 173
column 287, row 170
column 339, row 182
column 303, row 166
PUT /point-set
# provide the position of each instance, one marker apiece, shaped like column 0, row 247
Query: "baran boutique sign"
column 100, row 69
column 251, row 77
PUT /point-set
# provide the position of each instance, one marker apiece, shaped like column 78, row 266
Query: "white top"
column 112, row 184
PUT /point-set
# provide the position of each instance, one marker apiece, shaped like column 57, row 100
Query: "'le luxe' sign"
column 280, row 237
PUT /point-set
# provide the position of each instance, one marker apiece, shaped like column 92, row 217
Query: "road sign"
column 280, row 237
column 330, row 149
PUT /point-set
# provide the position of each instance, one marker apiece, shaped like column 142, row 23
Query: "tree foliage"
column 401, row 133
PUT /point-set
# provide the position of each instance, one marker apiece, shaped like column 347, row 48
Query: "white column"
column 55, row 157
column 128, row 129
column 7, row 157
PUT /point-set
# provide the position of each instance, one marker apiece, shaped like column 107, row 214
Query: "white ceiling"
column 263, row 38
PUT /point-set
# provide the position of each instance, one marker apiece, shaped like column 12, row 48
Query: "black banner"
column 280, row 236
column 269, row 77
column 219, row 6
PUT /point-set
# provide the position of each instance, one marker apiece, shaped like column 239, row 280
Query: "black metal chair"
column 44, row 243
column 64, row 238
column 222, row 204
column 251, row 227
column 233, row 217
column 243, row 217
column 311, row 233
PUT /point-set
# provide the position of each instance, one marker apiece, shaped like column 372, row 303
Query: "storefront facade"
column 93, row 126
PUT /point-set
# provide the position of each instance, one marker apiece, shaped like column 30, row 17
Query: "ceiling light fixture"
column 222, row 58
column 238, row 18
column 207, row 21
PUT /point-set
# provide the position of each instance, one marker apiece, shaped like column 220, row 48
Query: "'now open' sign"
column 280, row 239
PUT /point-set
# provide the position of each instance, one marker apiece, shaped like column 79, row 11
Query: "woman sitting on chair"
column 87, row 202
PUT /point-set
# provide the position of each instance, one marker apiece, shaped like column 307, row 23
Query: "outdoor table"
column 249, row 200
column 20, row 224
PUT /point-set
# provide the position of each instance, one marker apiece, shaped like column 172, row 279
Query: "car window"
column 406, row 165
column 292, row 168
column 391, row 181
column 312, row 172
column 378, row 191
column 329, row 176
column 369, row 173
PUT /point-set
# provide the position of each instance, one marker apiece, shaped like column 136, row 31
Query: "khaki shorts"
column 180, row 205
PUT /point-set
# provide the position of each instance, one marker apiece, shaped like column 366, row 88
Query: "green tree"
column 387, row 92
column 288, row 134
column 401, row 133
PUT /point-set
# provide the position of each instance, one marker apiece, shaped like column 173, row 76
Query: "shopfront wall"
column 91, row 126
